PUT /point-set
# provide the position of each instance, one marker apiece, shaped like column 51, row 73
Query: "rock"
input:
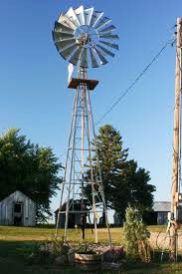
column 71, row 255
column 61, row 260
column 111, row 266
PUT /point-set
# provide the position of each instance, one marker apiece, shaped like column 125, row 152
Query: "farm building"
column 160, row 212
column 75, row 217
column 17, row 209
column 118, row 221
column 158, row 215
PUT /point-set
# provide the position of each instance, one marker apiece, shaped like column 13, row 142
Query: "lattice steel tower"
column 85, row 38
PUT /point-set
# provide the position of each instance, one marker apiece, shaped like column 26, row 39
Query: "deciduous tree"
column 29, row 168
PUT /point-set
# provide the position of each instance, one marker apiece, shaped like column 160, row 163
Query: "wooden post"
column 176, row 146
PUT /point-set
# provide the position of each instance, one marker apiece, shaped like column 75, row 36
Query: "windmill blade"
column 65, row 44
column 76, row 56
column 58, row 36
column 66, row 22
column 84, row 58
column 103, row 22
column 68, row 51
column 109, row 36
column 93, row 59
column 62, row 35
column 107, row 29
column 106, row 51
column 88, row 15
column 80, row 15
column 95, row 17
column 73, row 17
column 103, row 60
column 62, row 28
column 111, row 45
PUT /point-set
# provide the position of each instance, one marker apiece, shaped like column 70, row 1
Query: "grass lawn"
column 17, row 243
column 11, row 233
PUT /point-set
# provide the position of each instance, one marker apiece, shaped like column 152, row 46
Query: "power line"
column 140, row 75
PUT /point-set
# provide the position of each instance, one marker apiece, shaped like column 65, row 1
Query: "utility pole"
column 175, row 189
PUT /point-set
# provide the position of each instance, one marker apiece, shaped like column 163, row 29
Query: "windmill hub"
column 86, row 36
column 84, row 39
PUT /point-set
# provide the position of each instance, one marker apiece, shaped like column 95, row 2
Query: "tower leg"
column 100, row 173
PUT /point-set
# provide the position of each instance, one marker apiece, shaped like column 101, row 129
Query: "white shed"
column 17, row 209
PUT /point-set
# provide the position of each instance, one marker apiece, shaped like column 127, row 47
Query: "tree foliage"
column 124, row 183
column 29, row 168
column 136, row 236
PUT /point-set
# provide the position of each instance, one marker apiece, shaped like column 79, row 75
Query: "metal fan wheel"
column 85, row 37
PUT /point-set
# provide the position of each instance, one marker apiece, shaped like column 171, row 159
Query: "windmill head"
column 85, row 37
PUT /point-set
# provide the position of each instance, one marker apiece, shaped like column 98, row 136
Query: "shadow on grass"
column 160, row 256
column 14, row 254
column 16, row 249
column 13, row 260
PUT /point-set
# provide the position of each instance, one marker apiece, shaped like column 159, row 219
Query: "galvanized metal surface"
column 84, row 37
column 78, row 35
column 8, row 214
column 162, row 206
column 79, row 162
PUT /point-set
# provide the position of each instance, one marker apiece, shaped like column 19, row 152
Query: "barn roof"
column 77, row 203
column 16, row 193
column 163, row 206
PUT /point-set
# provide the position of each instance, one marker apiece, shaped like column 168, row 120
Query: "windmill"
column 85, row 38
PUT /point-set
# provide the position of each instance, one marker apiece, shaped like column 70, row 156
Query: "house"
column 17, row 209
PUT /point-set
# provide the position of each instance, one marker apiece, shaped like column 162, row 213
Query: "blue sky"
column 33, row 79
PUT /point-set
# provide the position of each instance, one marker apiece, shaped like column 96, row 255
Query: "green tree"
column 132, row 187
column 112, row 157
column 136, row 236
column 29, row 168
column 124, row 183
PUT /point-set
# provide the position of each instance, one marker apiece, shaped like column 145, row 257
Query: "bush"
column 48, row 252
column 136, row 236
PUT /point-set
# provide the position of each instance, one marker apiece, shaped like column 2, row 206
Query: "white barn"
column 17, row 209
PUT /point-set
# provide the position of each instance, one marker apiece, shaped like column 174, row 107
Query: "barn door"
column 18, row 213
